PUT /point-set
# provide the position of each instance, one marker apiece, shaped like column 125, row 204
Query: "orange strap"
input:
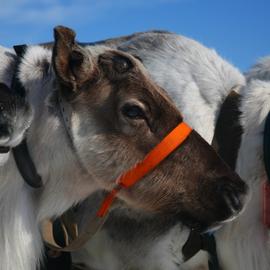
column 174, row 139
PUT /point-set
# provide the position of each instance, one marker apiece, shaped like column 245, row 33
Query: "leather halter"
column 66, row 115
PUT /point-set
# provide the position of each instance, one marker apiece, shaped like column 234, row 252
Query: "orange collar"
column 174, row 139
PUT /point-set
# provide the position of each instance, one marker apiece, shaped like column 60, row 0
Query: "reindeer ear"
column 72, row 63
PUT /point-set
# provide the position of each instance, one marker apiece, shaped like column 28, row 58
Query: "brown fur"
column 193, row 184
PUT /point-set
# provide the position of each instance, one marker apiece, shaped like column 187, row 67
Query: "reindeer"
column 198, row 82
column 96, row 113
column 15, row 119
column 244, row 244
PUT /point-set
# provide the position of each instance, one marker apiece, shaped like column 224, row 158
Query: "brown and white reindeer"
column 198, row 81
column 96, row 113
column 242, row 244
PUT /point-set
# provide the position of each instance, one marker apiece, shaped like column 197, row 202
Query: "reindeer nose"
column 233, row 191
column 234, row 199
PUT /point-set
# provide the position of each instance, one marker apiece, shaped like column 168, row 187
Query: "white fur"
column 164, row 252
column 19, row 234
column 260, row 71
column 4, row 158
column 7, row 60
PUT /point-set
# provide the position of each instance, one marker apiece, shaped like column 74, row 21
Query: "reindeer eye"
column 122, row 64
column 133, row 111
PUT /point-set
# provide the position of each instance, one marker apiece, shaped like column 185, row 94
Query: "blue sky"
column 239, row 30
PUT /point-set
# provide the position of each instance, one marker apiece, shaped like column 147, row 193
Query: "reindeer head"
column 15, row 117
column 118, row 115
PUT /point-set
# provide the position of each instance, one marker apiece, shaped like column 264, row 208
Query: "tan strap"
column 92, row 225
column 69, row 222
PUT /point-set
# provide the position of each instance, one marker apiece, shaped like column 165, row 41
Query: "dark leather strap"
column 193, row 245
column 266, row 146
column 196, row 242
column 56, row 261
column 26, row 166
column 209, row 245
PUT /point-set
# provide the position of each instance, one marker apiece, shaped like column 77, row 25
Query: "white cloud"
column 58, row 11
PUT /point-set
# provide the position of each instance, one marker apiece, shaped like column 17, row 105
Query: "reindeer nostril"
column 233, row 193
column 4, row 131
column 233, row 200
column 232, row 190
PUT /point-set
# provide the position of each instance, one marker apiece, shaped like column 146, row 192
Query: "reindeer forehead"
column 95, row 51
column 98, row 51
column 137, row 82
